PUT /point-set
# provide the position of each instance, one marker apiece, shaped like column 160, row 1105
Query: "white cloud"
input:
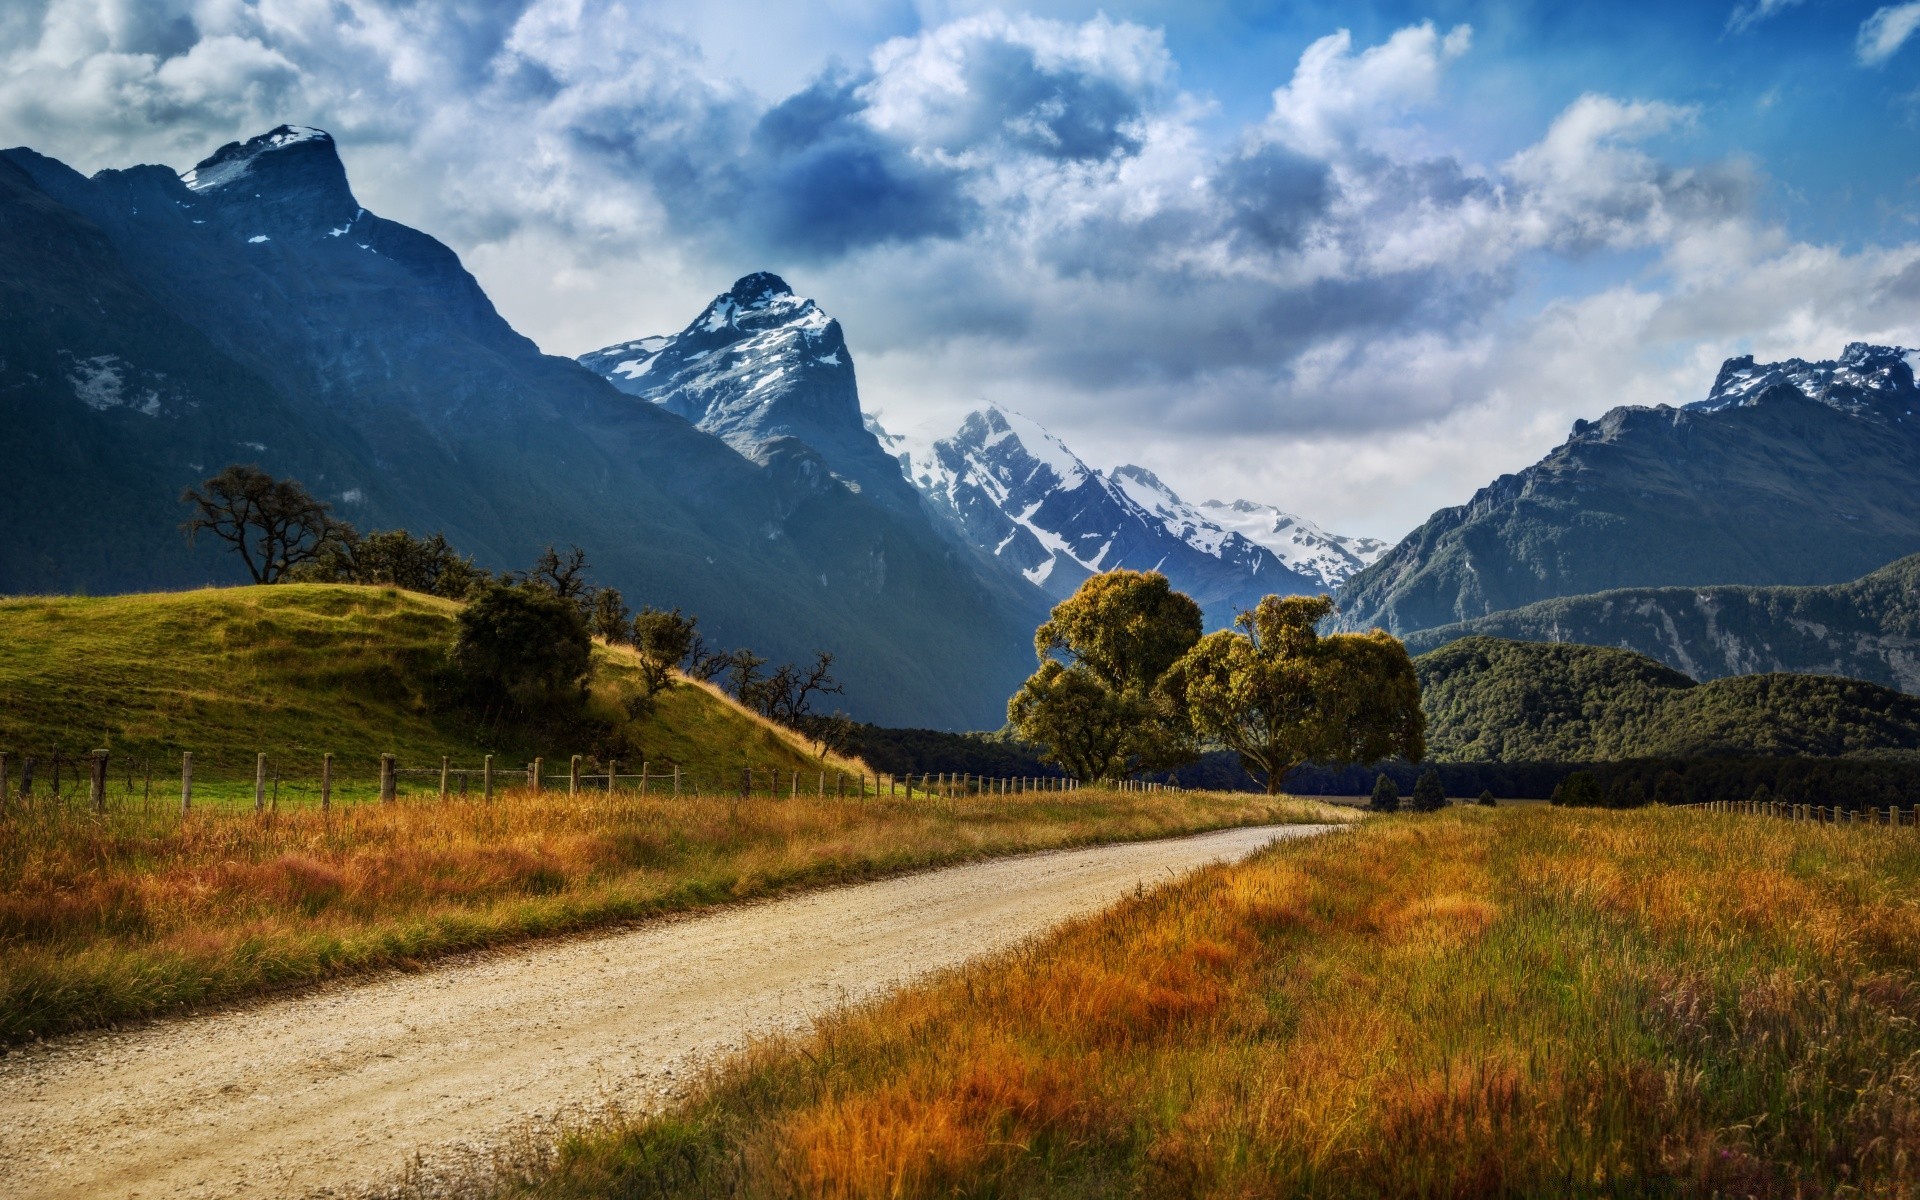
column 1883, row 33
column 1745, row 16
column 1337, row 97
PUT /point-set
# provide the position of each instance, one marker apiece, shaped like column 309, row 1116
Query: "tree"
column 1428, row 794
column 1486, row 798
column 664, row 640
column 1094, row 706
column 523, row 648
column 395, row 558
column 1080, row 723
column 607, row 617
column 1627, row 793
column 273, row 524
column 1279, row 695
column 565, row 575
column 1578, row 790
column 1386, row 794
column 1670, row 790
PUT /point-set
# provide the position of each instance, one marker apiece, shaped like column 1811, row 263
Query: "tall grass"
column 142, row 910
column 1480, row 1002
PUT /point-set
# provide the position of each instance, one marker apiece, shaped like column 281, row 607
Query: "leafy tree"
column 395, row 558
column 1627, row 793
column 1080, row 723
column 664, row 640
column 523, row 649
column 1386, row 794
column 1762, row 794
column 608, row 615
column 1578, row 790
column 1094, row 705
column 1486, row 798
column 273, row 524
column 1670, row 789
column 1428, row 794
column 1279, row 695
column 1126, row 627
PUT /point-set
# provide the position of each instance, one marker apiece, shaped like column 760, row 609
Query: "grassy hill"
column 1492, row 700
column 1866, row 629
column 301, row 670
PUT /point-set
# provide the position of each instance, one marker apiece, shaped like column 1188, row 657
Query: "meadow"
column 1525, row 1001
column 140, row 911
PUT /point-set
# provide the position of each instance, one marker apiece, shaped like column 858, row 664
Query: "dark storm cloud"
column 1272, row 195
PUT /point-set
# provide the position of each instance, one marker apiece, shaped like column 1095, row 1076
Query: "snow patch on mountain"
column 1299, row 543
column 1864, row 380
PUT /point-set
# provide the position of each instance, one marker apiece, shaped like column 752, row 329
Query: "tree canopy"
column 274, row 525
column 1095, row 705
column 1278, row 694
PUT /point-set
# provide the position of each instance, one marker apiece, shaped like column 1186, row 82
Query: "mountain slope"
column 1019, row 493
column 1303, row 546
column 1760, row 484
column 299, row 331
column 1867, row 629
column 1489, row 700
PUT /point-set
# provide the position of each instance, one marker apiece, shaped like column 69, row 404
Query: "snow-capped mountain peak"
column 1021, row 494
column 1298, row 542
column 1865, row 379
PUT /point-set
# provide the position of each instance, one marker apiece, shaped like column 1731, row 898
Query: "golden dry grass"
column 139, row 911
column 1507, row 1002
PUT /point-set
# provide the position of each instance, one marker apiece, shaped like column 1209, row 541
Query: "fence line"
column 268, row 783
column 1890, row 817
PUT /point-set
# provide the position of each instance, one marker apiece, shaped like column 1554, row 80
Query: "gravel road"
column 333, row 1092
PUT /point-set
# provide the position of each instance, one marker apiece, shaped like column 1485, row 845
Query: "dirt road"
column 334, row 1091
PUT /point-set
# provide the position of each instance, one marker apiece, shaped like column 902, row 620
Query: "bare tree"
column 273, row 524
column 565, row 575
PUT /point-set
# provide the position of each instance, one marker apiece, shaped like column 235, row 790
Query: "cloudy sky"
column 1354, row 259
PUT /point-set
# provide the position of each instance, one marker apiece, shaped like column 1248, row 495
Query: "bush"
column 1428, row 794
column 1578, row 790
column 1386, row 795
column 523, row 649
column 1486, row 799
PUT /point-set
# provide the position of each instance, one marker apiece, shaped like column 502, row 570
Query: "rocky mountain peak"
column 289, row 179
column 1865, row 380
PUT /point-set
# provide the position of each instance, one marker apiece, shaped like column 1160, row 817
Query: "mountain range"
column 1793, row 473
column 770, row 373
column 156, row 326
column 1866, row 629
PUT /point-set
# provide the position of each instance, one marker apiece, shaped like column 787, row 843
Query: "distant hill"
column 1788, row 473
column 1867, row 629
column 1492, row 700
column 298, row 670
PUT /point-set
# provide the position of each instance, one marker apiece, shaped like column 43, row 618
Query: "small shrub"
column 1386, row 794
column 1486, row 798
column 1428, row 793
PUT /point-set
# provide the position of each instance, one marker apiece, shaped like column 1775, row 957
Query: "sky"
column 1356, row 260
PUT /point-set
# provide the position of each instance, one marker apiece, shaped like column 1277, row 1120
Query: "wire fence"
column 103, row 781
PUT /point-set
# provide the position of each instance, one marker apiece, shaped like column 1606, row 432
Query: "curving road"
column 335, row 1091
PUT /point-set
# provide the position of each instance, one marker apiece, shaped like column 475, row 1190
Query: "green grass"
column 297, row 671
column 1507, row 1002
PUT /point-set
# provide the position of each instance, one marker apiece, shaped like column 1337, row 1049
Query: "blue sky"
column 1356, row 260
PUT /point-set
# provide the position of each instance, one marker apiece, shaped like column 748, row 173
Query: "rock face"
column 1016, row 491
column 1867, row 629
column 155, row 327
column 1787, row 474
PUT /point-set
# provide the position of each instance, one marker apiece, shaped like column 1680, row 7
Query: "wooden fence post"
column 486, row 777
column 3, row 782
column 676, row 781
column 260, row 782
column 613, row 772
column 443, row 776
column 326, row 782
column 645, row 766
column 533, row 776
column 96, row 781
column 573, row 775
column 387, row 789
column 186, row 780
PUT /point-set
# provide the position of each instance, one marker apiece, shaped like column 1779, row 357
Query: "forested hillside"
column 1492, row 700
